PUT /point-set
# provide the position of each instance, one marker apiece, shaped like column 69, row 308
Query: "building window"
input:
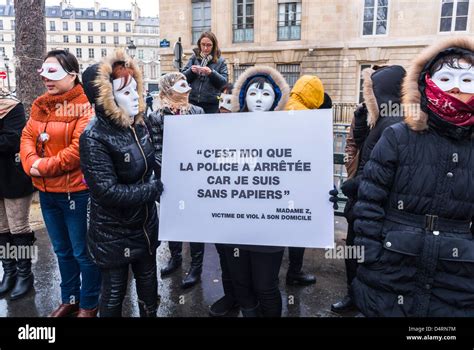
column 79, row 13
column 78, row 39
column 102, row 27
column 454, row 15
column 2, row 51
column 52, row 26
column 1, row 24
column 78, row 26
column 103, row 52
column 91, row 53
column 79, row 53
column 66, row 38
column 375, row 17
column 103, row 40
column 201, row 19
column 289, row 20
column 12, row 22
column 140, row 54
column 90, row 26
column 1, row 37
column 128, row 27
column 239, row 69
column 243, row 20
column 103, row 13
column 291, row 72
column 361, row 81
column 153, row 71
column 116, row 14
column 90, row 39
column 116, row 40
column 116, row 27
column 65, row 26
column 128, row 39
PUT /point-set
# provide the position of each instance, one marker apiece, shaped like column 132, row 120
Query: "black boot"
column 223, row 306
column 194, row 273
column 295, row 275
column 299, row 278
column 345, row 305
column 147, row 311
column 193, row 277
column 9, row 267
column 176, row 259
column 25, row 278
column 250, row 312
column 173, row 264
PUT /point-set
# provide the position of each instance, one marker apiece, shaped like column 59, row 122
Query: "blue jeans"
column 66, row 222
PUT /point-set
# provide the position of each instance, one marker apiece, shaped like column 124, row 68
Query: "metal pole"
column 8, row 77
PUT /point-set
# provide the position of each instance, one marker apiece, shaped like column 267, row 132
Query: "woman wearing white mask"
column 118, row 159
column 254, row 270
column 49, row 153
column 174, row 100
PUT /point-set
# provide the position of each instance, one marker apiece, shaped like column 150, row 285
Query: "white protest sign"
column 250, row 178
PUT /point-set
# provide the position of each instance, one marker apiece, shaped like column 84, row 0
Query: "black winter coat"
column 14, row 183
column 206, row 89
column 382, row 93
column 117, row 162
column 413, row 173
column 413, row 215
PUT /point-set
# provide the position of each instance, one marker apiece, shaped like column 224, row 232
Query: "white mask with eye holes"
column 448, row 78
column 260, row 99
column 127, row 98
column 225, row 101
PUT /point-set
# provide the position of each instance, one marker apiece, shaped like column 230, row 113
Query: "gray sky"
column 149, row 7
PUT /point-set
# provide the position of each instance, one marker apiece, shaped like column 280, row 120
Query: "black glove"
column 159, row 185
column 334, row 198
column 350, row 188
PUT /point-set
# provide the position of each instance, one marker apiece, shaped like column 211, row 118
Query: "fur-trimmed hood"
column 278, row 81
column 98, row 86
column 413, row 86
column 381, row 89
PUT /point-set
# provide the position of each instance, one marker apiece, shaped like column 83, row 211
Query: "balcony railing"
column 243, row 33
column 287, row 31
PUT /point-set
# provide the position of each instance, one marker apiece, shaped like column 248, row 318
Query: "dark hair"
column 67, row 60
column 260, row 81
column 452, row 61
column 227, row 88
column 216, row 52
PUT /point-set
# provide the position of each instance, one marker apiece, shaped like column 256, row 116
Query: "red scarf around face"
column 448, row 107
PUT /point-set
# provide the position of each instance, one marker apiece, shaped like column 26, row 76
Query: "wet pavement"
column 310, row 301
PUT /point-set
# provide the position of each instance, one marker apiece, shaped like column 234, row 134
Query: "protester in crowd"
column 50, row 155
column 415, row 204
column 16, row 193
column 206, row 72
column 228, row 302
column 174, row 100
column 382, row 108
column 117, row 158
column 254, row 269
column 308, row 93
column 149, row 102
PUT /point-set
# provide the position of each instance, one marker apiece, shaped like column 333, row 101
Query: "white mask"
column 260, row 99
column 448, row 78
column 181, row 87
column 53, row 71
column 127, row 98
column 225, row 101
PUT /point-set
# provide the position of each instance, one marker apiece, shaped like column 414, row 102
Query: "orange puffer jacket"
column 63, row 117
